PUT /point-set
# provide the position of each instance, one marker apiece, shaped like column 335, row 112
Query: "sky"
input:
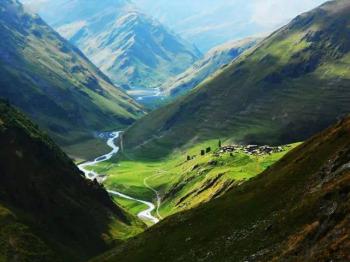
column 207, row 23
column 264, row 12
column 222, row 20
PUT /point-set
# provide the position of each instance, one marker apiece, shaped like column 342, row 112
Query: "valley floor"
column 185, row 179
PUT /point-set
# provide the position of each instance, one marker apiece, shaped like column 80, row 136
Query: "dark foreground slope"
column 53, row 82
column 48, row 210
column 297, row 210
column 294, row 84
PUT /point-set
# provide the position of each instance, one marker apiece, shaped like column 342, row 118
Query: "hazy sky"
column 263, row 12
column 211, row 22
column 207, row 23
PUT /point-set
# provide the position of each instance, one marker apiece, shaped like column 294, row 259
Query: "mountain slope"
column 133, row 49
column 48, row 210
column 213, row 61
column 297, row 210
column 293, row 84
column 53, row 82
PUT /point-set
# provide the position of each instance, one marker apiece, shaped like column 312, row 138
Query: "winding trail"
column 145, row 215
column 155, row 191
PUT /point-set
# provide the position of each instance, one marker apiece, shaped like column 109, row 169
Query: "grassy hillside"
column 54, row 83
column 295, row 83
column 48, row 210
column 185, row 179
column 297, row 210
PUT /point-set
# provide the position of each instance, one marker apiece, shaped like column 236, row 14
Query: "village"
column 255, row 150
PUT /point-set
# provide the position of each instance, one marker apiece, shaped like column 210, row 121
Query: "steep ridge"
column 48, row 210
column 215, row 59
column 297, row 210
column 295, row 83
column 53, row 82
column 133, row 49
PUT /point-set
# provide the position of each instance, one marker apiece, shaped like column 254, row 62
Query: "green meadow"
column 182, row 183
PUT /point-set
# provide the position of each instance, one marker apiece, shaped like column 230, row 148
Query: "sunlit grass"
column 128, row 176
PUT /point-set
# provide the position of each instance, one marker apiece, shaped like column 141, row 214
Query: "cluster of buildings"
column 251, row 149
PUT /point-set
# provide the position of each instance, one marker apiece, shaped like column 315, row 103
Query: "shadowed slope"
column 48, row 210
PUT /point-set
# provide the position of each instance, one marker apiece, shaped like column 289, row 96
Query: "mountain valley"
column 297, row 210
column 121, row 141
column 54, row 83
column 293, row 84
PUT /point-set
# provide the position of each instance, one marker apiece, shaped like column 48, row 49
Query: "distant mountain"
column 215, row 59
column 54, row 83
column 48, row 210
column 293, row 84
column 297, row 210
column 133, row 49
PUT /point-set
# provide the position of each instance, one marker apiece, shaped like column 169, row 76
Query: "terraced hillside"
column 295, row 83
column 54, row 83
column 48, row 210
column 297, row 210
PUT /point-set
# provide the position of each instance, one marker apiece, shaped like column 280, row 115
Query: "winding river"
column 145, row 215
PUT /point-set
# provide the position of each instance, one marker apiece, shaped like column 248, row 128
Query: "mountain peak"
column 105, row 35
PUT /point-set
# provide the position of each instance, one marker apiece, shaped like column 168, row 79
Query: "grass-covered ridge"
column 48, row 210
column 292, row 85
column 297, row 210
